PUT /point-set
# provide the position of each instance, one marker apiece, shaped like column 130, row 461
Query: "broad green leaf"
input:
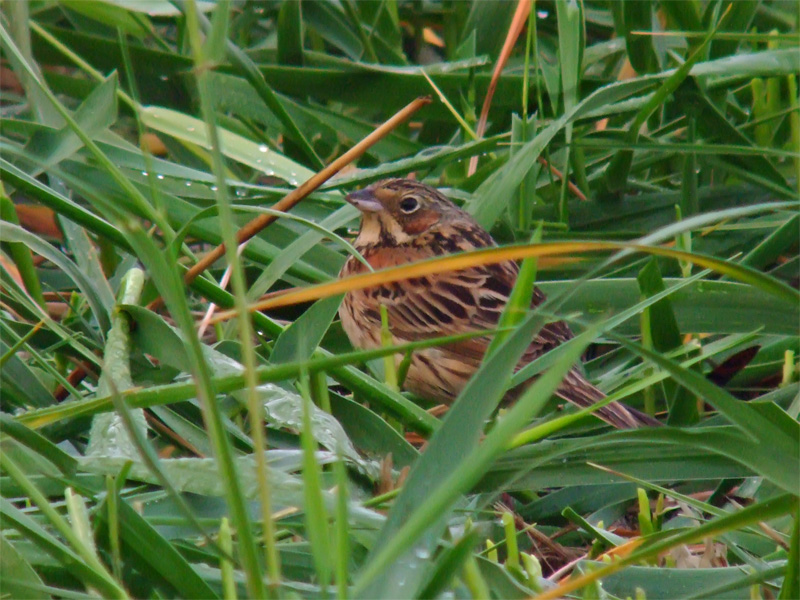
column 290, row 34
column 157, row 556
column 660, row 332
column 485, row 19
column 301, row 338
column 370, row 433
column 571, row 41
column 38, row 443
column 160, row 8
column 677, row 583
column 215, row 44
column 95, row 114
column 316, row 515
column 112, row 14
column 234, row 146
column 326, row 18
column 19, row 577
column 638, row 16
column 705, row 306
column 108, row 436
column 21, row 386
column 756, row 64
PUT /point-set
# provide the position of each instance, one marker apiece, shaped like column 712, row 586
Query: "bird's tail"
column 580, row 392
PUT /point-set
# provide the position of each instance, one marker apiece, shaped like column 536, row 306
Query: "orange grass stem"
column 515, row 28
column 457, row 262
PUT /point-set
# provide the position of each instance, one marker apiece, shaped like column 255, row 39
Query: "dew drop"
column 214, row 188
column 144, row 173
column 263, row 148
column 542, row 14
column 164, row 77
column 190, row 129
column 422, row 553
column 159, row 176
column 188, row 184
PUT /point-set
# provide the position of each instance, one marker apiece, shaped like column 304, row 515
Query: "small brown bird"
column 405, row 221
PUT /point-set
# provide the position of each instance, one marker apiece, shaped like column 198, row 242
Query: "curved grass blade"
column 495, row 255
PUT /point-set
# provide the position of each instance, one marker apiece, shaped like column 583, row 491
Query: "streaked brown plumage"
column 406, row 221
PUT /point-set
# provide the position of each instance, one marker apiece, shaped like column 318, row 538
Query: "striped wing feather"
column 473, row 300
column 470, row 300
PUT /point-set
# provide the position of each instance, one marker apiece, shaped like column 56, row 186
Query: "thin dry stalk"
column 286, row 203
column 292, row 198
column 517, row 24
column 514, row 31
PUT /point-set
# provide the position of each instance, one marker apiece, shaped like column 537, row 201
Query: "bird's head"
column 396, row 211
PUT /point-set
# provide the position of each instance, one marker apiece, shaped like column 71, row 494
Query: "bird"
column 405, row 221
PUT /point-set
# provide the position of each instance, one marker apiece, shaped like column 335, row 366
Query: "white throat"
column 372, row 227
column 370, row 232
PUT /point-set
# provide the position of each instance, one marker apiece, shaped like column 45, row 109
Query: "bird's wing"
column 458, row 302
column 446, row 304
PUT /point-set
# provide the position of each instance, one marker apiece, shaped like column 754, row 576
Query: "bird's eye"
column 409, row 204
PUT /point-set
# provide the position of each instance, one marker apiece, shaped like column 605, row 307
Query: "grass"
column 152, row 447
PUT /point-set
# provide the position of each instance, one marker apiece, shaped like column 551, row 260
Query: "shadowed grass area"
column 222, row 438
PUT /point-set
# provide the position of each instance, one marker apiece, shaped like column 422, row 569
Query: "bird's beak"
column 364, row 200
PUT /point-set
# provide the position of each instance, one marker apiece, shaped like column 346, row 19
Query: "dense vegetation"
column 153, row 449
